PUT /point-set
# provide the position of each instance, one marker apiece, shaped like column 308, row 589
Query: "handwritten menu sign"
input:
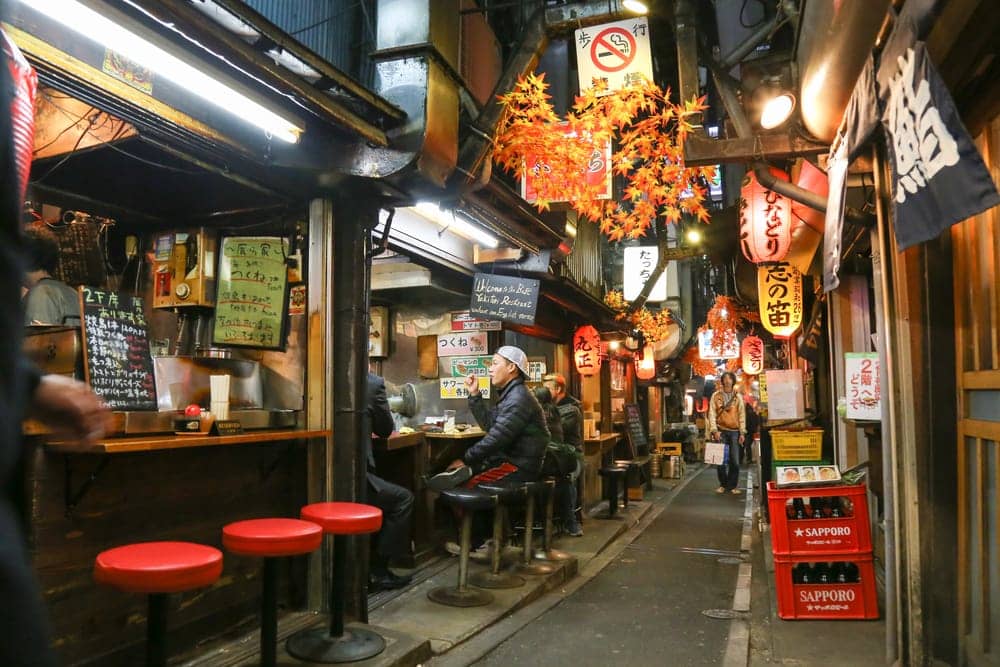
column 117, row 363
column 504, row 298
column 252, row 292
column 634, row 430
column 461, row 344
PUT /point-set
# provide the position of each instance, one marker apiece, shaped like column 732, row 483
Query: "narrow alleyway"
column 646, row 607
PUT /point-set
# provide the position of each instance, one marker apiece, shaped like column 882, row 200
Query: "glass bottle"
column 800, row 508
column 835, row 511
column 838, row 573
column 805, row 573
column 816, row 503
column 821, row 573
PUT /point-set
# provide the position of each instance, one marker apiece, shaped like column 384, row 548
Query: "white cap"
column 516, row 356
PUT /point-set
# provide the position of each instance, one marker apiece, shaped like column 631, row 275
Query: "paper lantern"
column 752, row 353
column 779, row 293
column 645, row 366
column 765, row 220
column 587, row 350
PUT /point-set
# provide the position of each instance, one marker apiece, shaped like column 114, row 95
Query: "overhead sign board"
column 617, row 52
column 505, row 298
column 638, row 264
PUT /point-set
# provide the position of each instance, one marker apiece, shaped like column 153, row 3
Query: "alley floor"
column 657, row 601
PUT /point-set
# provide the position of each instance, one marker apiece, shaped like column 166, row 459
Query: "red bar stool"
column 271, row 539
column 157, row 569
column 337, row 644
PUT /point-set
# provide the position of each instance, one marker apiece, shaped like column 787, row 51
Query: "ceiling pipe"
column 835, row 41
column 803, row 196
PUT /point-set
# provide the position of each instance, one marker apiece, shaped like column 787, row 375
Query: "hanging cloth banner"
column 938, row 176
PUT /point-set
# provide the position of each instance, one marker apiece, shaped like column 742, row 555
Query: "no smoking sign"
column 616, row 52
column 612, row 50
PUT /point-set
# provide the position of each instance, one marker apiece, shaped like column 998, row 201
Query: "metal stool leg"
column 552, row 554
column 336, row 643
column 495, row 578
column 612, row 495
column 528, row 564
column 462, row 595
column 156, row 631
column 269, row 614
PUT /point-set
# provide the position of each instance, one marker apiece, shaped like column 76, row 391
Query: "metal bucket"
column 671, row 467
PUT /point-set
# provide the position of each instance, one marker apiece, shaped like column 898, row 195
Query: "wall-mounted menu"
column 504, row 298
column 250, row 304
column 117, row 363
column 634, row 430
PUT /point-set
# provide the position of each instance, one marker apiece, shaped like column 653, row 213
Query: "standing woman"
column 727, row 423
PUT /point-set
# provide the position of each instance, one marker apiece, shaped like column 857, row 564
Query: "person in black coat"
column 396, row 503
column 516, row 434
column 59, row 403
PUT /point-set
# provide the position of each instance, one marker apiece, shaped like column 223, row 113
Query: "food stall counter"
column 161, row 442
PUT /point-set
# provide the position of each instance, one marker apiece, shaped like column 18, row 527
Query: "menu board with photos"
column 250, row 304
column 116, row 358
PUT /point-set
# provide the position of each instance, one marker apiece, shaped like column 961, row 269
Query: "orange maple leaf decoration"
column 648, row 132
column 654, row 325
column 699, row 366
column 726, row 318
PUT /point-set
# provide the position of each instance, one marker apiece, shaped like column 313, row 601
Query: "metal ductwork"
column 835, row 40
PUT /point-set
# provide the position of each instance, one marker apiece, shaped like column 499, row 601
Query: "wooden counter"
column 601, row 444
column 404, row 441
column 152, row 443
column 458, row 435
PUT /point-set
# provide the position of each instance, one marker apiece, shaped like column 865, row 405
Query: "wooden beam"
column 701, row 151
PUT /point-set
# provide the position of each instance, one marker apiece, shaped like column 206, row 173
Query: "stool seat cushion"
column 158, row 567
column 340, row 518
column 507, row 493
column 472, row 499
column 613, row 470
column 271, row 538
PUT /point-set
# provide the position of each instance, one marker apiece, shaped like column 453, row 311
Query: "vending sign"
column 455, row 387
column 462, row 344
column 617, row 53
column 864, row 391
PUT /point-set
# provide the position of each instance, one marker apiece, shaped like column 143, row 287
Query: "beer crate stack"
column 822, row 549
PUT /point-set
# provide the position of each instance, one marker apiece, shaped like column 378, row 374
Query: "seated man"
column 396, row 503
column 572, row 427
column 516, row 435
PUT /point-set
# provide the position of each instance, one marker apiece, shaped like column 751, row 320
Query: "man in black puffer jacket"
column 516, row 435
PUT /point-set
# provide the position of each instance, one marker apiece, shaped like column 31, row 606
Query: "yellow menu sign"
column 251, row 300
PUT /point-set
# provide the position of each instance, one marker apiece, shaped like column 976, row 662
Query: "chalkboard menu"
column 116, row 357
column 252, row 295
column 634, row 430
column 504, row 298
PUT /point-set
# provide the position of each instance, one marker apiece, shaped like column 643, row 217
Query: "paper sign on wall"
column 864, row 390
column 785, row 395
column 461, row 344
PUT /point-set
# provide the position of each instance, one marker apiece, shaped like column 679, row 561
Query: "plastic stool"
column 337, row 643
column 469, row 501
column 157, row 569
column 507, row 494
column 271, row 539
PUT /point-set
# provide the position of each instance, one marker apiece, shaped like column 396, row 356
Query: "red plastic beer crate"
column 805, row 537
column 829, row 601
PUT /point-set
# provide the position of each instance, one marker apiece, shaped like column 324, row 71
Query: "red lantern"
column 765, row 220
column 587, row 350
column 752, row 352
column 645, row 366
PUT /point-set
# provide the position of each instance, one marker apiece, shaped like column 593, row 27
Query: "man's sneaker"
column 721, row 489
column 736, row 492
column 575, row 532
column 482, row 554
column 449, row 479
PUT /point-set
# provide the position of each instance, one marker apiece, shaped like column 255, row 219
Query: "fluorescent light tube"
column 88, row 23
column 449, row 220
